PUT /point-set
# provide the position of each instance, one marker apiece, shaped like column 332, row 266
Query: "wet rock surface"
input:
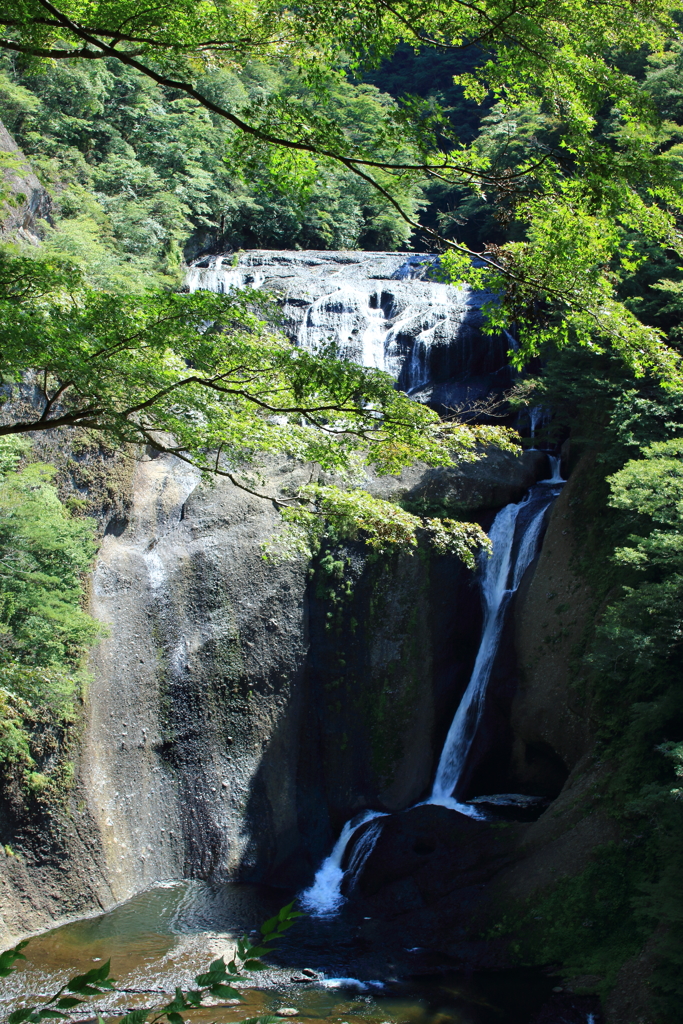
column 553, row 609
column 427, row 877
column 467, row 488
column 232, row 727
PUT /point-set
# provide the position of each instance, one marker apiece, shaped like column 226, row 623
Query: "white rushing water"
column 380, row 309
column 501, row 574
column 324, row 897
column 555, row 477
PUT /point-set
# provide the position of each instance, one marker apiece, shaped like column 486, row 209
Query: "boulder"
column 427, row 877
column 495, row 479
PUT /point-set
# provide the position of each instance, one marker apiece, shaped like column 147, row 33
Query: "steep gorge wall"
column 223, row 738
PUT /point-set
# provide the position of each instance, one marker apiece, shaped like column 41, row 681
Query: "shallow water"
column 165, row 936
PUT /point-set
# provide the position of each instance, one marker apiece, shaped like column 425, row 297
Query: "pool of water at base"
column 165, row 936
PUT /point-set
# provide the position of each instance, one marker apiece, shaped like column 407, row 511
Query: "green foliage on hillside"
column 44, row 633
column 629, row 429
column 627, row 437
column 143, row 176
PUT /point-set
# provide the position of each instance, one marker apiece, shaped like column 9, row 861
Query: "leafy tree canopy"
column 44, row 554
column 601, row 167
column 205, row 378
column 142, row 175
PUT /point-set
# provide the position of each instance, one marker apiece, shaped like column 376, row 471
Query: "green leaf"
column 179, row 1003
column 67, row 1002
column 286, row 912
column 225, row 991
column 205, row 979
column 175, row 1018
column 10, row 956
column 93, row 981
column 254, row 965
column 135, row 1017
column 270, row 925
column 20, row 1015
column 43, row 1014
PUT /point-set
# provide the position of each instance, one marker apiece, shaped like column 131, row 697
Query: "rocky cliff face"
column 241, row 711
column 27, row 202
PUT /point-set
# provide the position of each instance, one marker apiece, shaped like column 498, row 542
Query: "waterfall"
column 418, row 366
column 211, row 275
column 539, row 415
column 501, row 574
column 555, row 478
column 379, row 309
column 362, row 850
column 514, row 534
column 535, row 418
column 324, row 897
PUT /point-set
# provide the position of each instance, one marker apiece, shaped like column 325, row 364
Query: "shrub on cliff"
column 44, row 632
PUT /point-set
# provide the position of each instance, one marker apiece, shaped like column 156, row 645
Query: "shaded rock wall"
column 554, row 608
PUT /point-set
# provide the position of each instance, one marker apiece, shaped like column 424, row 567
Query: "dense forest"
column 558, row 185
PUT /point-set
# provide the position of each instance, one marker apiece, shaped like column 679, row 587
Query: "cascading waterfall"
column 324, row 897
column 221, row 276
column 515, row 535
column 538, row 417
column 555, row 476
column 501, row 575
column 535, row 417
column 362, row 850
column 380, row 309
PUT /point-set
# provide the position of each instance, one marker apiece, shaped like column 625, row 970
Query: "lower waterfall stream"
column 515, row 535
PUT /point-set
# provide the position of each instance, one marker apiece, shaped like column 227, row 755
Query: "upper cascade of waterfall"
column 381, row 309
